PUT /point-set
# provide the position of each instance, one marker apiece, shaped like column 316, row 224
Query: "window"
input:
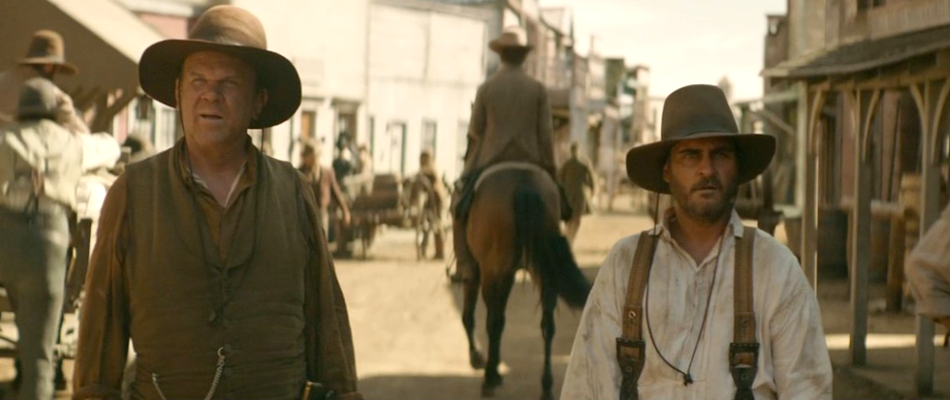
column 429, row 129
column 308, row 125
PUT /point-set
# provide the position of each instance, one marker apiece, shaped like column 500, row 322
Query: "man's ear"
column 178, row 92
column 260, row 100
column 666, row 172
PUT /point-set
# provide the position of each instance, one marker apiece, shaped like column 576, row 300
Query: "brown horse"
column 513, row 224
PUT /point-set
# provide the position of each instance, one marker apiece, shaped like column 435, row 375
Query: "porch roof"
column 864, row 55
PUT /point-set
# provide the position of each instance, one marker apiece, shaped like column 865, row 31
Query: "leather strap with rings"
column 743, row 352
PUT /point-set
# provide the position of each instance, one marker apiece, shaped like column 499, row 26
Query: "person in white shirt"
column 688, row 303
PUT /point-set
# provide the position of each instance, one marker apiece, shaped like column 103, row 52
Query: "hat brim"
column 161, row 65
column 645, row 163
column 64, row 67
column 496, row 46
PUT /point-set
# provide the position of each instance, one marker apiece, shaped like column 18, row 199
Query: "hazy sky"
column 683, row 41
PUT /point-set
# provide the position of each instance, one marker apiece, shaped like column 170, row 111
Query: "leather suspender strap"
column 744, row 351
column 631, row 350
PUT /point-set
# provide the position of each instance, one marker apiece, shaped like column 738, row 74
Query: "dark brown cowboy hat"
column 47, row 48
column 511, row 37
column 230, row 30
column 693, row 112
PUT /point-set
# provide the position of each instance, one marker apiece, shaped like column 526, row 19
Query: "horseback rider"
column 511, row 121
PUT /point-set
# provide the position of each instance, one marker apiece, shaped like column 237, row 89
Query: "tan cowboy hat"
column 47, row 48
column 512, row 36
column 231, row 30
column 693, row 112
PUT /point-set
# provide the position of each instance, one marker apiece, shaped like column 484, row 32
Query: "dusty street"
column 410, row 343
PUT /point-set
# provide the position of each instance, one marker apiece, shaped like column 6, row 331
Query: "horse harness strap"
column 743, row 352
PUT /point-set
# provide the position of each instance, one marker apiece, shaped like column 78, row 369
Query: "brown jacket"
column 511, row 121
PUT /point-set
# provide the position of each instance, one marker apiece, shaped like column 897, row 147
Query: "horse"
column 513, row 223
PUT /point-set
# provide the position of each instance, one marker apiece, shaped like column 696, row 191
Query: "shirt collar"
column 735, row 225
column 248, row 177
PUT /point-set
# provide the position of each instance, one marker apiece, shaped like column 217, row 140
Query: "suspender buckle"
column 743, row 363
column 631, row 357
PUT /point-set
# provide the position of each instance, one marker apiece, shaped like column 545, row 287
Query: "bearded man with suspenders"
column 700, row 306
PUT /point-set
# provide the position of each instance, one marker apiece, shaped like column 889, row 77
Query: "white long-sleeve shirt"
column 793, row 358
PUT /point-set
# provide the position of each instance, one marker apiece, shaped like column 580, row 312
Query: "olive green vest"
column 186, row 303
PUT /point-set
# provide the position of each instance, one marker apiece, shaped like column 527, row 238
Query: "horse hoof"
column 476, row 359
column 488, row 388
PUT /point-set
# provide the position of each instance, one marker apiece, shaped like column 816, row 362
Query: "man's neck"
column 697, row 237
column 222, row 159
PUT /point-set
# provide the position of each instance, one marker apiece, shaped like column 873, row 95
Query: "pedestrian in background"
column 40, row 168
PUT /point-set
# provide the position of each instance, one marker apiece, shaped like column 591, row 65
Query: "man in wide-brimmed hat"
column 700, row 306
column 45, row 58
column 511, row 121
column 40, row 168
column 210, row 256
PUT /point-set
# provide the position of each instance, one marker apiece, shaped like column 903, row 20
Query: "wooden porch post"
column 809, row 111
column 862, row 112
column 931, row 107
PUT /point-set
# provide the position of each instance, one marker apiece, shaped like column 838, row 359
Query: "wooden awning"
column 102, row 38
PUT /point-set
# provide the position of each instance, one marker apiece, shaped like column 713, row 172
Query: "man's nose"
column 212, row 92
column 706, row 168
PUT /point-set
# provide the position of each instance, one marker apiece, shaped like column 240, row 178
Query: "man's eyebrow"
column 688, row 150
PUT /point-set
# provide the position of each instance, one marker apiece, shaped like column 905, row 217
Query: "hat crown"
column 511, row 36
column 37, row 98
column 230, row 25
column 46, row 44
column 697, row 109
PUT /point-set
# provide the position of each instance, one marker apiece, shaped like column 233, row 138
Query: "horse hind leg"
column 496, row 295
column 549, row 302
column 470, row 290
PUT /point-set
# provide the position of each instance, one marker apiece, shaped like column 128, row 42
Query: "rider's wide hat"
column 694, row 112
column 511, row 37
column 231, row 30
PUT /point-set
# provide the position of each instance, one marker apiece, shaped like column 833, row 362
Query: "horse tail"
column 547, row 255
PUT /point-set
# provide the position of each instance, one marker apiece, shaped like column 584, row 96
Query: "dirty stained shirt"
column 793, row 360
column 103, row 346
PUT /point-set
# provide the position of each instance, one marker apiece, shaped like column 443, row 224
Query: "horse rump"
column 544, row 251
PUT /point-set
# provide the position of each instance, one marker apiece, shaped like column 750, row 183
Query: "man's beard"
column 708, row 212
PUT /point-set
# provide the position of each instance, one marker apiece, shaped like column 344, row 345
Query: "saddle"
column 466, row 187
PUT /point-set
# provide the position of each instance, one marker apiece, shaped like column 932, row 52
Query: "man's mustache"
column 708, row 183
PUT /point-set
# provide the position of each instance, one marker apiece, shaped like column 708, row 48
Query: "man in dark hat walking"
column 45, row 58
column 210, row 256
column 576, row 177
column 700, row 306
column 511, row 121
